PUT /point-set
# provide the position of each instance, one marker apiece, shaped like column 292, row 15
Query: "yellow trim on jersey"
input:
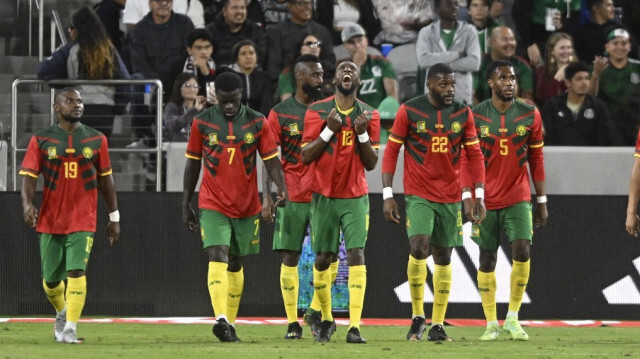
column 192, row 157
column 376, row 146
column 636, row 155
column 25, row 173
column 391, row 138
column 270, row 157
column 304, row 144
column 106, row 173
column 472, row 143
column 537, row 146
column 345, row 112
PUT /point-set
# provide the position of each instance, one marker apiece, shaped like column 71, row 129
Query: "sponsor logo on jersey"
column 213, row 139
column 422, row 127
column 293, row 129
column 456, row 127
column 588, row 114
column 484, row 131
column 70, row 150
column 248, row 137
column 521, row 130
column 87, row 152
column 52, row 153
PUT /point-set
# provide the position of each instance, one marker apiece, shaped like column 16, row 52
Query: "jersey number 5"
column 504, row 149
column 439, row 144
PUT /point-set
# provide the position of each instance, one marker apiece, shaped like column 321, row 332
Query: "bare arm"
column 29, row 211
column 368, row 155
column 191, row 174
column 390, row 206
column 315, row 148
column 267, row 202
column 540, row 214
column 108, row 192
column 599, row 64
column 274, row 167
column 632, row 223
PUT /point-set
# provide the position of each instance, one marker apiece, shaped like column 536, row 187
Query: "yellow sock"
column 519, row 280
column 289, row 287
column 441, row 287
column 334, row 270
column 357, row 287
column 218, row 285
column 76, row 295
column 487, row 288
column 236, row 286
column 417, row 275
column 322, row 287
column 55, row 295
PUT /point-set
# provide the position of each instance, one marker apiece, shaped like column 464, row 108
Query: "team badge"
column 422, row 127
column 476, row 231
column 560, row 114
column 634, row 78
column 249, row 137
column 87, row 152
column 521, row 130
column 213, row 139
column 293, row 129
column 52, row 153
column 456, row 127
column 484, row 131
column 376, row 71
column 588, row 114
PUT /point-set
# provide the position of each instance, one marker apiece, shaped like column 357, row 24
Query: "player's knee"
column 355, row 257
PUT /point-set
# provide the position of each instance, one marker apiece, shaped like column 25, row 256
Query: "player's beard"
column 348, row 91
column 504, row 98
column 314, row 93
column 72, row 119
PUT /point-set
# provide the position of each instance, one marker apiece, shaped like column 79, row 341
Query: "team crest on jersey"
column 213, row 139
column 588, row 114
column 293, row 129
column 87, row 152
column 53, row 153
column 476, row 231
column 376, row 71
column 249, row 137
column 484, row 131
column 422, row 127
column 634, row 78
column 456, row 127
column 521, row 130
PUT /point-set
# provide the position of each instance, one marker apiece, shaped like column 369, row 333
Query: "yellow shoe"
column 512, row 326
column 492, row 332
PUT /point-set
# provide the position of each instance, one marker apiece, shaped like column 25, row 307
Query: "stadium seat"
column 341, row 52
column 405, row 63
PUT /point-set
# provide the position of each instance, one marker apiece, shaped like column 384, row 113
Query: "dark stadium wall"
column 584, row 266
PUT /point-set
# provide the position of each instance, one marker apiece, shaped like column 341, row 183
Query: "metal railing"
column 14, row 120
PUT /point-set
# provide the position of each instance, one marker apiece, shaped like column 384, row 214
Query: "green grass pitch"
column 27, row 340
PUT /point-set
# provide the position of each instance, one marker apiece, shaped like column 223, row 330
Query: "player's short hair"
column 228, row 82
column 305, row 58
column 439, row 69
column 199, row 34
column 59, row 91
column 573, row 68
column 496, row 65
column 486, row 2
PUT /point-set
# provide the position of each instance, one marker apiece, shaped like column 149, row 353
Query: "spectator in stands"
column 274, row 12
column 184, row 104
column 575, row 118
column 195, row 12
column 530, row 17
column 377, row 77
column 387, row 110
column 286, row 81
column 135, row 10
column 400, row 20
column 232, row 26
column 550, row 79
column 590, row 37
column 614, row 83
column 284, row 37
column 109, row 13
column 452, row 42
column 335, row 15
column 257, row 91
column 631, row 21
column 199, row 63
column 502, row 44
column 500, row 11
column 480, row 18
column 90, row 56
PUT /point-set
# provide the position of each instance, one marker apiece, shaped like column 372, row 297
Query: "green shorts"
column 242, row 235
column 329, row 215
column 291, row 226
column 442, row 222
column 60, row 253
column 515, row 220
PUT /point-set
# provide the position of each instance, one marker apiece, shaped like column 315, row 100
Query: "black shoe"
column 437, row 334
column 354, row 337
column 325, row 330
column 294, row 331
column 418, row 326
column 232, row 334
column 313, row 320
column 222, row 330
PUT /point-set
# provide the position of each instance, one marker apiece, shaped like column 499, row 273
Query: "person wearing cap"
column 377, row 77
column 613, row 80
column 453, row 42
column 387, row 110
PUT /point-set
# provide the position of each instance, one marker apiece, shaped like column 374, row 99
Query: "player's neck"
column 345, row 102
column 575, row 98
column 501, row 105
column 68, row 126
column 447, row 25
column 302, row 97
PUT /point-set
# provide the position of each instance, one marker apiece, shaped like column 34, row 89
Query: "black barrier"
column 159, row 268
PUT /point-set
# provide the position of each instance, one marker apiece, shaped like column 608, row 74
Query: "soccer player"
column 433, row 128
column 74, row 162
column 286, row 120
column 227, row 136
column 341, row 138
column 510, row 134
column 632, row 224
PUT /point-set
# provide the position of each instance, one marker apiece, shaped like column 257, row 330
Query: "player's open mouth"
column 508, row 92
column 346, row 80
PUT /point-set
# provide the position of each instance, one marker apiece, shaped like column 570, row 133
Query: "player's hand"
column 268, row 210
column 30, row 216
column 468, row 204
column 189, row 218
column 540, row 215
column 361, row 123
column 282, row 198
column 113, row 232
column 479, row 211
column 390, row 209
column 632, row 224
column 334, row 122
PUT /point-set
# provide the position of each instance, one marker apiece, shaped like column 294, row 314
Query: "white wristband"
column 114, row 216
column 466, row 195
column 541, row 199
column 387, row 192
column 326, row 134
column 479, row 192
column 363, row 138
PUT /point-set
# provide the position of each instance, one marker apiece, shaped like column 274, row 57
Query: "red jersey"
column 433, row 139
column 339, row 172
column 228, row 148
column 69, row 164
column 637, row 153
